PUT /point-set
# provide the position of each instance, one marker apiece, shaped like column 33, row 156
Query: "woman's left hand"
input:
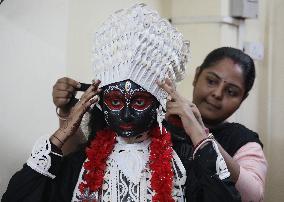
column 185, row 110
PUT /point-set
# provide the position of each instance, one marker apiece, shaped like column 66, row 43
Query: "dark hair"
column 97, row 121
column 239, row 57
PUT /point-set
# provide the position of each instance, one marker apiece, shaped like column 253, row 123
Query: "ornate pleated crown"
column 139, row 45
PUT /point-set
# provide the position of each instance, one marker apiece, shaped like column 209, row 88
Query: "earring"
column 160, row 117
column 97, row 103
column 99, row 106
column 84, row 125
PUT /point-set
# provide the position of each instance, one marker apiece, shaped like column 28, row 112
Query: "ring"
column 59, row 116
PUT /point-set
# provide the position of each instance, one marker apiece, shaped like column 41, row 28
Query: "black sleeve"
column 27, row 185
column 202, row 184
column 208, row 186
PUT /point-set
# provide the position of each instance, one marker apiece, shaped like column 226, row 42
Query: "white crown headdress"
column 139, row 45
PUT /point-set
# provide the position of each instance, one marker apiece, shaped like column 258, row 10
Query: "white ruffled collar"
column 131, row 159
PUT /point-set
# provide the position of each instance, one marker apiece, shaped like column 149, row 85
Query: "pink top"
column 253, row 168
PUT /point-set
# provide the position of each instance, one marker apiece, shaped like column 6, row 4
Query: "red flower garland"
column 97, row 154
column 160, row 163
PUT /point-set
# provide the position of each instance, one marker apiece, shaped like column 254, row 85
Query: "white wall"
column 273, row 99
column 32, row 57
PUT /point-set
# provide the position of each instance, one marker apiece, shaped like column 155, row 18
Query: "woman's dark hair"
column 97, row 121
column 239, row 57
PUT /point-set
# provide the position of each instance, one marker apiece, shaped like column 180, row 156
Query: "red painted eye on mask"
column 114, row 100
column 142, row 100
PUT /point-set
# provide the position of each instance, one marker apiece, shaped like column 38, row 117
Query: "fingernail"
column 78, row 85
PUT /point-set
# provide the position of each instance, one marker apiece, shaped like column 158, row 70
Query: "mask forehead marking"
column 127, row 86
column 114, row 87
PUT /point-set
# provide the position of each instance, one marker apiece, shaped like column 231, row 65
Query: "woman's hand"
column 63, row 94
column 190, row 116
column 72, row 123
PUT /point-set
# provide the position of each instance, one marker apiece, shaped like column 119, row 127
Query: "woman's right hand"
column 63, row 94
column 72, row 123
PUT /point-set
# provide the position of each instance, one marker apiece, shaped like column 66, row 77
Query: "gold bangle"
column 60, row 117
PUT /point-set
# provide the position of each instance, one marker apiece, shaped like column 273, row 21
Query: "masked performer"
column 138, row 58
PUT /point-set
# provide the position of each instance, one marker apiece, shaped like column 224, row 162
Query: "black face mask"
column 128, row 108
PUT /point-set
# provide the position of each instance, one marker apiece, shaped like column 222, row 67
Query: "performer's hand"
column 72, row 123
column 63, row 94
column 177, row 105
